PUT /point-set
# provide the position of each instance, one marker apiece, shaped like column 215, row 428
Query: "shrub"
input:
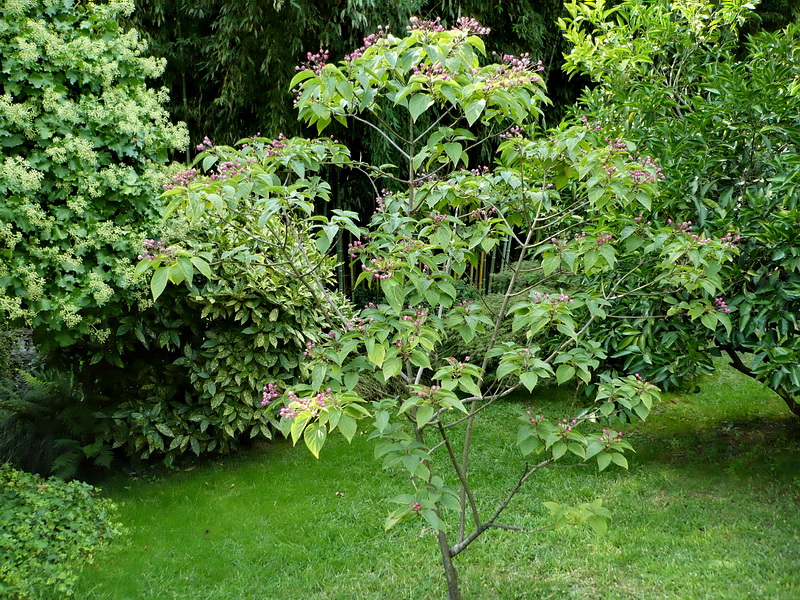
column 82, row 144
column 48, row 530
column 239, row 322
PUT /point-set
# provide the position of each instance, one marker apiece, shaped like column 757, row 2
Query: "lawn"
column 709, row 509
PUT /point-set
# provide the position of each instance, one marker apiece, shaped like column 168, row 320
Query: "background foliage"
column 721, row 115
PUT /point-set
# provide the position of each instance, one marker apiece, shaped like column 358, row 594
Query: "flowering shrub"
column 245, row 314
column 82, row 144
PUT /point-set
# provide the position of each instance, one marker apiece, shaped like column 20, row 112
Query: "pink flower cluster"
column 418, row 317
column 541, row 298
column 276, row 145
column 685, row 228
column 268, row 394
column 355, row 248
column 482, row 213
column 470, row 25
column 477, row 171
column 514, row 71
column 315, row 62
column 458, row 365
column 617, row 145
column 535, row 420
column 513, row 132
column 320, row 400
column 605, row 238
column 430, row 72
column 721, row 306
column 181, row 179
column 566, row 426
column 155, row 249
column 407, row 244
column 594, row 126
column 370, row 40
column 418, row 24
column 730, row 239
column 231, row 168
column 207, row 144
column 609, row 437
column 380, row 268
column 437, row 217
column 642, row 176
column 428, row 392
column 360, row 323
column 380, row 200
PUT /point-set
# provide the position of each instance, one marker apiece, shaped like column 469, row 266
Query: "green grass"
column 709, row 509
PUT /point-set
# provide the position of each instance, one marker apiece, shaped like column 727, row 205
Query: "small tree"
column 572, row 203
column 722, row 118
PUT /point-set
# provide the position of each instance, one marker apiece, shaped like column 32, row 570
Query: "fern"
column 45, row 426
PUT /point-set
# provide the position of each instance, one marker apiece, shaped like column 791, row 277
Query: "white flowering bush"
column 83, row 141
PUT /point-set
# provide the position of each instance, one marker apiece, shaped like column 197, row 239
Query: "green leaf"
column 430, row 516
column 598, row 524
column 185, row 265
column 550, row 263
column 564, row 373
column 298, row 424
column 474, row 109
column 202, row 266
column 558, row 449
column 163, row 428
column 424, row 415
column 709, row 320
column 348, row 426
column 209, row 161
column 529, row 380
column 394, row 292
column 314, row 437
column 392, row 367
column 159, row 281
column 376, row 354
column 620, row 460
column 603, row 460
column 395, row 517
column 418, row 104
column 453, row 151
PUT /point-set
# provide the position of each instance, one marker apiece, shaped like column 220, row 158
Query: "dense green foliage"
column 238, row 323
column 82, row 141
column 49, row 529
column 723, row 118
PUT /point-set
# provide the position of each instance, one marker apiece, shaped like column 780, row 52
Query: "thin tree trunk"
column 450, row 573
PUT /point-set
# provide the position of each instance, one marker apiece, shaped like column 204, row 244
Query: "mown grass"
column 709, row 509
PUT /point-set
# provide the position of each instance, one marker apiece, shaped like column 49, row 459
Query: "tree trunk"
column 450, row 573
